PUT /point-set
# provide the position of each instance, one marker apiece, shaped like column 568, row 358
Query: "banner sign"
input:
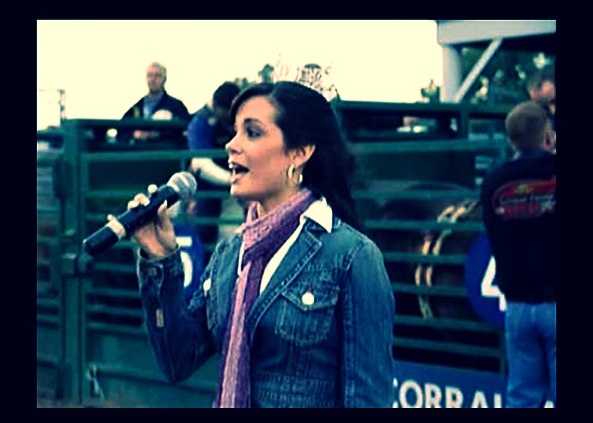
column 430, row 386
column 480, row 281
column 192, row 256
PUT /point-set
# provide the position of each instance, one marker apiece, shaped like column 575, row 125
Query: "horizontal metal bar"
column 142, row 156
column 49, row 320
column 47, row 359
column 51, row 240
column 183, row 219
column 114, row 267
column 112, row 194
column 395, row 224
column 423, row 225
column 47, row 210
column 43, row 161
column 114, row 292
column 416, row 194
column 367, row 147
column 48, row 302
column 371, row 147
column 441, row 291
column 114, row 329
column 107, row 369
column 43, row 262
column 450, row 347
column 114, row 311
column 459, row 259
column 43, row 285
column 188, row 220
column 428, row 109
column 444, row 323
column 126, row 123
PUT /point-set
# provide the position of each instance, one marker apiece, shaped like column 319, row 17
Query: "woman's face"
column 257, row 156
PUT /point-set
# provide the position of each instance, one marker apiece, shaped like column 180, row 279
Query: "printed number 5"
column 488, row 289
column 188, row 267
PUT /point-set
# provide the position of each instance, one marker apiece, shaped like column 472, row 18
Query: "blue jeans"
column 530, row 334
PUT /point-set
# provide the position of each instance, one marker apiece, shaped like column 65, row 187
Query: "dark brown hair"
column 305, row 117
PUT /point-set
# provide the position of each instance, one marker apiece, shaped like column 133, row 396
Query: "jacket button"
column 152, row 272
column 308, row 298
column 207, row 285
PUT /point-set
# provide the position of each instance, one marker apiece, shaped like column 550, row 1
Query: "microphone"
column 181, row 185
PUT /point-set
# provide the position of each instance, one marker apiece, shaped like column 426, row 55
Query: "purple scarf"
column 261, row 240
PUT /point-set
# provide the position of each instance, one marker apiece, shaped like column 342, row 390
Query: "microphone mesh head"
column 184, row 184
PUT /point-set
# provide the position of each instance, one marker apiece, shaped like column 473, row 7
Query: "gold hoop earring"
column 290, row 173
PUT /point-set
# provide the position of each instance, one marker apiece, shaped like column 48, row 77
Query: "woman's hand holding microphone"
column 157, row 237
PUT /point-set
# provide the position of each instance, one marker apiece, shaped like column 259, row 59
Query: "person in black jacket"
column 157, row 104
column 519, row 213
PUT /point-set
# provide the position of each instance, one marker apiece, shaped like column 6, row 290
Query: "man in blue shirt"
column 211, row 128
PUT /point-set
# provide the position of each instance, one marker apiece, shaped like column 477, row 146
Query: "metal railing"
column 92, row 345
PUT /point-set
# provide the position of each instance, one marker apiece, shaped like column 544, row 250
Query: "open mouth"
column 237, row 169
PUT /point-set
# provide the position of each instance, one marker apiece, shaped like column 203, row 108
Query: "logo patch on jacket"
column 525, row 199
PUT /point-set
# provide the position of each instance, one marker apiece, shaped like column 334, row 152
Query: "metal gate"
column 417, row 160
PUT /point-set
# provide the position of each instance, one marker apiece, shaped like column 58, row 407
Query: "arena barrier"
column 418, row 182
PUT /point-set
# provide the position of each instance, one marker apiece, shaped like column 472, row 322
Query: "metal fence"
column 419, row 175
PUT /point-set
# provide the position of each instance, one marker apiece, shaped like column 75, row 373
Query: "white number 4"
column 490, row 290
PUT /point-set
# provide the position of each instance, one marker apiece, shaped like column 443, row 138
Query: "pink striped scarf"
column 261, row 239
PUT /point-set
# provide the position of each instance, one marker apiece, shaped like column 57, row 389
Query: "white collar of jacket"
column 321, row 213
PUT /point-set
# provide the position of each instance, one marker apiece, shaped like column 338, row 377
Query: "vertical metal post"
column 452, row 70
column 70, row 304
column 62, row 103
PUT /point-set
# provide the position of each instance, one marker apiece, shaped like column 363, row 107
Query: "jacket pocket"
column 307, row 311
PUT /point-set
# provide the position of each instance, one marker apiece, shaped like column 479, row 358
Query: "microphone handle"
column 100, row 241
column 139, row 216
column 128, row 222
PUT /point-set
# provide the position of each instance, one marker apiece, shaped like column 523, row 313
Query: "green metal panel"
column 96, row 327
column 410, row 176
column 50, row 348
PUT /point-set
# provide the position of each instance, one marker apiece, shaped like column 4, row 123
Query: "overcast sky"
column 102, row 64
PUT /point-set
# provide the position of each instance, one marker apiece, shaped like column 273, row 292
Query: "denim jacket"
column 321, row 332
